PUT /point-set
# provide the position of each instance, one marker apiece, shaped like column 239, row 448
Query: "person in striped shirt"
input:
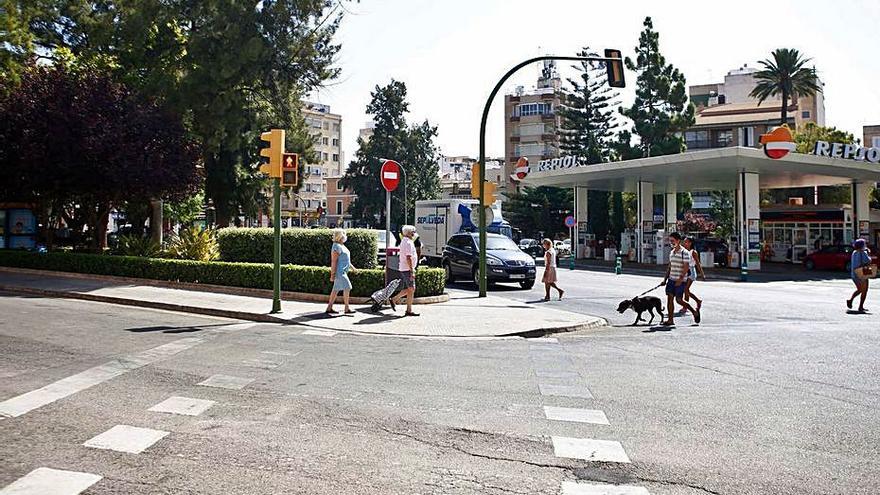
column 680, row 260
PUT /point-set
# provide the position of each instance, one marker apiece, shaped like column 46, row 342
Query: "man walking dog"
column 676, row 278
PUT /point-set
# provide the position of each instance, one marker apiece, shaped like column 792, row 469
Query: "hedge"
column 309, row 279
column 308, row 247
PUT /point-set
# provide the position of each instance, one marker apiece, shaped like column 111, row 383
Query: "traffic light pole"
column 276, row 274
column 483, row 148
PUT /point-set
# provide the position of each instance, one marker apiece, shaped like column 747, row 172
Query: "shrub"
column 310, row 247
column 194, row 244
column 135, row 245
column 309, row 279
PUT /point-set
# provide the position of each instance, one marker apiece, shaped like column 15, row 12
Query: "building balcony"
column 514, row 118
column 514, row 138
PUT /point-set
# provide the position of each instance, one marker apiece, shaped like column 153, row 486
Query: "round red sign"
column 390, row 175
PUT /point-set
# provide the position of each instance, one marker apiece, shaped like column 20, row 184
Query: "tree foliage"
column 721, row 210
column 410, row 145
column 805, row 137
column 661, row 111
column 75, row 137
column 540, row 211
column 786, row 75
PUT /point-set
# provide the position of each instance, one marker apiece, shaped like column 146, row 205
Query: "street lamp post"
column 483, row 137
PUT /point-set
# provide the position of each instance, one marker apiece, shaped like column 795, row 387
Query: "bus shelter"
column 744, row 170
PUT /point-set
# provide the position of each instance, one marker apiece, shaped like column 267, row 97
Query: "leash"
column 651, row 289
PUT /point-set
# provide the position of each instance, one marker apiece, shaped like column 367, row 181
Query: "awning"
column 707, row 170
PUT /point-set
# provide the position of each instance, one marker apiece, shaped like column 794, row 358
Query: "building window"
column 339, row 207
column 805, row 114
column 335, row 157
column 326, row 126
column 325, row 141
column 696, row 139
column 747, row 136
column 338, row 185
column 324, row 156
column 335, row 142
column 875, row 142
column 336, row 128
column 527, row 109
column 724, row 138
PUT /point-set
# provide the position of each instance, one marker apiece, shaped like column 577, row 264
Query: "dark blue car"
column 505, row 261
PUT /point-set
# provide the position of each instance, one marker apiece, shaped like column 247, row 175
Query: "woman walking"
column 692, row 275
column 858, row 263
column 549, row 278
column 340, row 265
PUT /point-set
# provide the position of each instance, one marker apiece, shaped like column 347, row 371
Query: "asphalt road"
column 775, row 393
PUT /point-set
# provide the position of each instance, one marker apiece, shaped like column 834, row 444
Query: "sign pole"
column 387, row 220
column 276, row 276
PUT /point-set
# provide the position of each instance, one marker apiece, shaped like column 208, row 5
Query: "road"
column 776, row 392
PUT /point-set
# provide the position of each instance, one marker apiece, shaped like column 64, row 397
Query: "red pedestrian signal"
column 614, row 68
column 289, row 169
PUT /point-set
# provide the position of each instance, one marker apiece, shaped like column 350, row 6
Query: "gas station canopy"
column 708, row 170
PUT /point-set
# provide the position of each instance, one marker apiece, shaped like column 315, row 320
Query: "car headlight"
column 530, row 262
column 493, row 261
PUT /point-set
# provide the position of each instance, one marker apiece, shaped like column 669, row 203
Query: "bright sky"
column 450, row 53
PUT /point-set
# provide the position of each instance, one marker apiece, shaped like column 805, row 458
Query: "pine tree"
column 587, row 129
column 661, row 111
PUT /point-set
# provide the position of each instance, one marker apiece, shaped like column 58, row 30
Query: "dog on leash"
column 640, row 305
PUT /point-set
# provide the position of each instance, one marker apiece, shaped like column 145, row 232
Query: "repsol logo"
column 561, row 162
column 431, row 219
column 847, row 151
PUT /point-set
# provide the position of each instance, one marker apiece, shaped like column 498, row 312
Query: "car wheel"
column 475, row 276
column 450, row 278
column 527, row 284
column 810, row 265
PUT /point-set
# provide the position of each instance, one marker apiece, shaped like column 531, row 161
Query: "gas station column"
column 581, row 217
column 671, row 210
column 748, row 195
column 645, row 221
column 861, row 210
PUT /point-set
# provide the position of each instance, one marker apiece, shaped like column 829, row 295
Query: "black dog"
column 640, row 305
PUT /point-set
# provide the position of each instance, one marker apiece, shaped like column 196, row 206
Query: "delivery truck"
column 438, row 220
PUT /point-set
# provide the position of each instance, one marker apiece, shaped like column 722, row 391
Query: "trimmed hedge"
column 308, row 247
column 309, row 279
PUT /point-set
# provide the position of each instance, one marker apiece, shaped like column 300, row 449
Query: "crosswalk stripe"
column 579, row 391
column 588, row 449
column 226, row 381
column 319, row 333
column 578, row 488
column 48, row 481
column 125, row 438
column 182, row 405
column 65, row 387
column 577, row 415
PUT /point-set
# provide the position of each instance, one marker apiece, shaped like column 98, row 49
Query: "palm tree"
column 785, row 74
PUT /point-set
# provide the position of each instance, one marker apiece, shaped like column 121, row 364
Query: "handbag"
column 866, row 272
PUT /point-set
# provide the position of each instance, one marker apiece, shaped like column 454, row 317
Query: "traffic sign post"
column 570, row 223
column 390, row 177
column 275, row 154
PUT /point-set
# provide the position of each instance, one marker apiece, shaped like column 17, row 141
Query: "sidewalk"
column 465, row 315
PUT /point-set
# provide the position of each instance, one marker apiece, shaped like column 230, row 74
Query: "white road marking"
column 47, row 481
column 183, row 405
column 226, row 381
column 575, row 488
column 565, row 390
column 589, row 450
column 65, row 387
column 559, row 375
column 552, row 340
column 124, row 438
column 577, row 415
column 319, row 333
column 261, row 363
column 280, row 353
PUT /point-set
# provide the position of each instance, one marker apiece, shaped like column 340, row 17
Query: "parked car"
column 716, row 246
column 562, row 249
column 532, row 247
column 505, row 261
column 380, row 243
column 835, row 257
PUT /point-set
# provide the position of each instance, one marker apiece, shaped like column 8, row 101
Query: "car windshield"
column 526, row 242
column 500, row 243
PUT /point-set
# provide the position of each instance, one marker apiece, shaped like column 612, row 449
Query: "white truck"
column 437, row 220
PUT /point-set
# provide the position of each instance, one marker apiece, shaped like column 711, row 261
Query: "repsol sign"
column 561, row 162
column 847, row 151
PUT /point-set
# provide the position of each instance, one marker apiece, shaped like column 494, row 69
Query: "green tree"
column 411, row 146
column 661, row 111
column 540, row 211
column 587, row 130
column 805, row 137
column 785, row 75
column 722, row 211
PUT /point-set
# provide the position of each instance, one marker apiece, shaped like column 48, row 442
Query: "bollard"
column 618, row 265
column 571, row 261
column 743, row 272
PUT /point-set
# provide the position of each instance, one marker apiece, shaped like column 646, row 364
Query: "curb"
column 219, row 289
column 596, row 322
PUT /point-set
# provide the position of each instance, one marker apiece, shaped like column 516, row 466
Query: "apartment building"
column 871, row 136
column 308, row 206
column 728, row 116
column 339, row 200
column 455, row 175
column 530, row 123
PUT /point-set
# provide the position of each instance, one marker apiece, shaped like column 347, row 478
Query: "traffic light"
column 289, row 169
column 614, row 68
column 475, row 181
column 274, row 152
column 488, row 194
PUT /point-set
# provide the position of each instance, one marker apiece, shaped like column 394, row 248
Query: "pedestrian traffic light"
column 289, row 170
column 614, row 68
column 274, row 152
column 475, row 181
column 488, row 193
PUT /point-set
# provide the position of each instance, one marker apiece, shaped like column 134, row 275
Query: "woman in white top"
column 692, row 276
column 549, row 278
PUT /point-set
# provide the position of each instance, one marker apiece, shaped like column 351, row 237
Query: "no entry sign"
column 390, row 175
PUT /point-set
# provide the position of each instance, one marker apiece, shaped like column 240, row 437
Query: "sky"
column 450, row 53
